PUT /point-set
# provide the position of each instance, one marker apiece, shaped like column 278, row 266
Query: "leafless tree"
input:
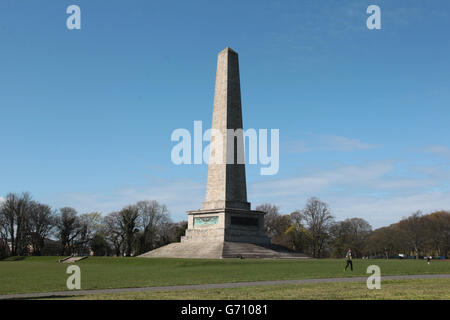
column 438, row 232
column 89, row 224
column 15, row 211
column 41, row 222
column 4, row 247
column 154, row 222
column 273, row 222
column 113, row 231
column 414, row 231
column 68, row 228
column 128, row 221
column 318, row 220
column 177, row 230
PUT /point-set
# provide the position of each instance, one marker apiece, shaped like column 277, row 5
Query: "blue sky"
column 86, row 115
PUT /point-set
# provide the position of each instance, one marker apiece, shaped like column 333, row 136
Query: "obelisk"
column 225, row 214
column 226, row 186
column 225, row 226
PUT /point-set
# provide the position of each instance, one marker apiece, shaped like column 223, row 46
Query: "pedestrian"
column 348, row 257
column 428, row 259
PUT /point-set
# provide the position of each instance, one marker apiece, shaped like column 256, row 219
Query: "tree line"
column 314, row 230
column 28, row 227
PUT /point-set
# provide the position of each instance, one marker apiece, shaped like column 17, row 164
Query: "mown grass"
column 418, row 289
column 45, row 274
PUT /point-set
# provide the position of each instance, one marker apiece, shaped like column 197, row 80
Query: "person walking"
column 348, row 257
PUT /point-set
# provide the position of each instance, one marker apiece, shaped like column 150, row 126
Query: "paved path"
column 213, row 286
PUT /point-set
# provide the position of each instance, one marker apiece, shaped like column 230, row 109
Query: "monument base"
column 224, row 233
column 226, row 224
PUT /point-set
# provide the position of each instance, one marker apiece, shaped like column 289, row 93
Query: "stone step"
column 72, row 259
column 219, row 249
column 249, row 250
column 188, row 249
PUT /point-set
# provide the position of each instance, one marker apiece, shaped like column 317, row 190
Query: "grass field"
column 418, row 289
column 45, row 274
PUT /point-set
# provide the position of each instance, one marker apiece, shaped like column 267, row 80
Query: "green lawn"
column 42, row 274
column 430, row 289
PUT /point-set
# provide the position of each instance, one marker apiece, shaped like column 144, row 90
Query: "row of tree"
column 419, row 235
column 29, row 227
column 315, row 231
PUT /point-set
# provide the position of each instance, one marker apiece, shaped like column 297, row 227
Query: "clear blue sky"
column 86, row 115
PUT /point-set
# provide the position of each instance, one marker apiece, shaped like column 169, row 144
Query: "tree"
column 128, row 219
column 154, row 222
column 340, row 234
column 271, row 219
column 276, row 225
column 164, row 235
column 25, row 224
column 350, row 233
column 4, row 247
column 89, row 224
column 177, row 230
column 318, row 219
column 68, row 228
column 438, row 232
column 41, row 222
column 15, row 211
column 413, row 229
column 114, row 233
column 99, row 245
column 297, row 235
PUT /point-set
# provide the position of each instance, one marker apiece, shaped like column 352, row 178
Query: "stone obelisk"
column 225, row 226
column 226, row 186
column 225, row 214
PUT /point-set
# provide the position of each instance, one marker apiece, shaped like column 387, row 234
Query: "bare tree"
column 414, row 231
column 113, row 231
column 438, row 232
column 128, row 223
column 99, row 245
column 89, row 224
column 154, row 222
column 273, row 222
column 15, row 210
column 41, row 222
column 177, row 230
column 4, row 247
column 318, row 219
column 68, row 228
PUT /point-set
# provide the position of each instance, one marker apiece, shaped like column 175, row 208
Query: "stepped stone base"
column 221, row 249
column 224, row 233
